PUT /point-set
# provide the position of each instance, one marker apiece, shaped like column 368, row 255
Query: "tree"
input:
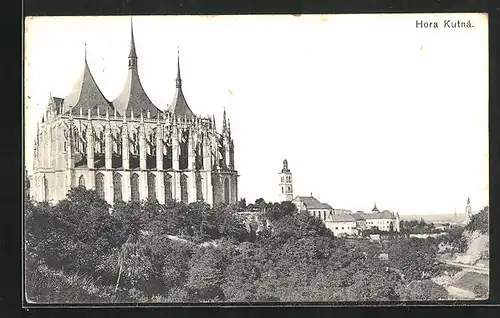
column 480, row 291
column 206, row 274
column 421, row 290
column 415, row 257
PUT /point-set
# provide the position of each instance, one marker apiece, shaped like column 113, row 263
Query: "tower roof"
column 86, row 95
column 468, row 200
column 133, row 97
column 179, row 105
column 285, row 167
column 375, row 209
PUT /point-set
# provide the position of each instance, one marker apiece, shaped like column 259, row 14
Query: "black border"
column 11, row 290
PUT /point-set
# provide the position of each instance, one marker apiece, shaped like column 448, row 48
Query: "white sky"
column 364, row 107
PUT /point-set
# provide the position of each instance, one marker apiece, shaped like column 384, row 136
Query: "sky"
column 365, row 108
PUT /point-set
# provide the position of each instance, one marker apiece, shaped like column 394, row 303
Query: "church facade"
column 130, row 150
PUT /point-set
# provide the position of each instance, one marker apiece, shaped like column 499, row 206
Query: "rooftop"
column 312, row 203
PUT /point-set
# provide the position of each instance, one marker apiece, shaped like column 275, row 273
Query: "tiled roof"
column 312, row 203
column 342, row 211
column 134, row 98
column 380, row 215
column 341, row 218
column 86, row 95
column 179, row 106
column 372, row 216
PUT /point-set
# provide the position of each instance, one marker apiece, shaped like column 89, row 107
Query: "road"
column 470, row 268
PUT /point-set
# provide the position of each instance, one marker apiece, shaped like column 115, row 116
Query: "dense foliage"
column 77, row 251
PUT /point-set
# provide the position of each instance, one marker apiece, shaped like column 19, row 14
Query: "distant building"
column 383, row 221
column 285, row 184
column 342, row 224
column 313, row 206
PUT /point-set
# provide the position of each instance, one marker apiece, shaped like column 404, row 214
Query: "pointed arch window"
column 184, row 190
column 226, row 190
column 151, row 186
column 99, row 185
column 117, row 187
column 134, row 187
column 81, row 181
column 46, row 188
column 199, row 190
column 168, row 186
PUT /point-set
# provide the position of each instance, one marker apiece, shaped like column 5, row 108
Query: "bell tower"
column 468, row 211
column 285, row 184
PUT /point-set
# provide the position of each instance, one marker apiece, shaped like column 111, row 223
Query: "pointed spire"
column 85, row 52
column 468, row 200
column 224, row 125
column 132, row 57
column 178, row 80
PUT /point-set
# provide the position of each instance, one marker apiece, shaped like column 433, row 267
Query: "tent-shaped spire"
column 133, row 99
column 86, row 95
column 468, row 200
column 179, row 105
column 132, row 54
column 375, row 209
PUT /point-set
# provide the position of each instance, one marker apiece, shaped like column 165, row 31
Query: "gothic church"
column 130, row 150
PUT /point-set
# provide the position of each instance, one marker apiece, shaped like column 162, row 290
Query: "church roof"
column 85, row 95
column 312, row 203
column 133, row 98
column 179, row 105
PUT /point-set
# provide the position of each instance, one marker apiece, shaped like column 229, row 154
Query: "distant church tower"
column 468, row 211
column 285, row 185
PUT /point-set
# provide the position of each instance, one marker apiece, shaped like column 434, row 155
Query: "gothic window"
column 184, row 190
column 81, row 181
column 282, row 190
column 151, row 186
column 199, row 190
column 99, row 185
column 46, row 188
column 134, row 187
column 289, row 189
column 226, row 190
column 167, row 179
column 117, row 186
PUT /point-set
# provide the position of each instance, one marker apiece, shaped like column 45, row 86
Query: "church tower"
column 285, row 185
column 468, row 210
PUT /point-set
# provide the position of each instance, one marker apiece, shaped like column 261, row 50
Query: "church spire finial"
column 468, row 200
column 224, row 124
column 178, row 80
column 132, row 57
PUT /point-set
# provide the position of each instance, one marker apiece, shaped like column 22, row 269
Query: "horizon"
column 422, row 149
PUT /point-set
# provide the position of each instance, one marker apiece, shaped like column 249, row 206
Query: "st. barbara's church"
column 128, row 149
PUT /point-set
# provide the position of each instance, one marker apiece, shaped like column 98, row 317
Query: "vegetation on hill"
column 76, row 251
